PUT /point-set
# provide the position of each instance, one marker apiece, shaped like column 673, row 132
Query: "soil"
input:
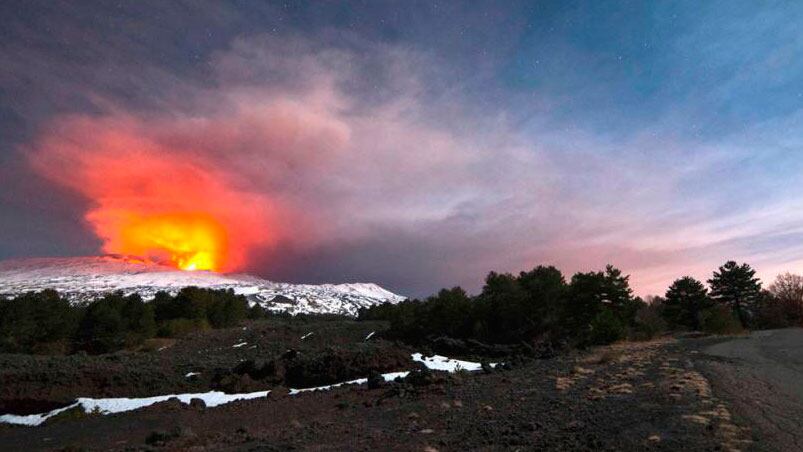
column 34, row 384
column 631, row 396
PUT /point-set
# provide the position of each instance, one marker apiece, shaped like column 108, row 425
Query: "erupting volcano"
column 154, row 196
column 190, row 241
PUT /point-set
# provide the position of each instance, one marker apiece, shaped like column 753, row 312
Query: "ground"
column 667, row 394
column 761, row 377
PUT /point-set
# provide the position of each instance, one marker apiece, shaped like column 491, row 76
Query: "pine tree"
column 618, row 294
column 686, row 299
column 737, row 287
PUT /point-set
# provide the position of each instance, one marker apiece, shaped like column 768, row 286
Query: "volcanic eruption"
column 190, row 241
column 152, row 199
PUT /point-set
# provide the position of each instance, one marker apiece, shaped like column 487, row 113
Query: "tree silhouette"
column 737, row 287
column 787, row 295
column 685, row 301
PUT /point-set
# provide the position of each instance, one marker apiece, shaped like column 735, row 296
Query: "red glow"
column 155, row 201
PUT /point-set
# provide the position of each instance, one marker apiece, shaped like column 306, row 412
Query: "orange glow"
column 157, row 200
column 188, row 241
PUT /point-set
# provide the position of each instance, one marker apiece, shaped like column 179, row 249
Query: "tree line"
column 541, row 306
column 735, row 290
column 45, row 322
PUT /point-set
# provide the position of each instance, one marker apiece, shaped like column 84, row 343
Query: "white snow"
column 120, row 405
column 191, row 374
column 438, row 362
column 370, row 335
column 306, row 335
column 216, row 398
column 83, row 279
column 360, row 381
column 239, row 345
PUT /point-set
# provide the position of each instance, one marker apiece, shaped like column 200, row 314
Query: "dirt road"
column 761, row 378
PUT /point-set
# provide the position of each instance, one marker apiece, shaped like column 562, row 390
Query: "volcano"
column 83, row 279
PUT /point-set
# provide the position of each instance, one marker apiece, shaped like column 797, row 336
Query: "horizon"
column 416, row 146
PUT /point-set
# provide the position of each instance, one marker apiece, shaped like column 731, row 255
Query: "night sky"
column 413, row 144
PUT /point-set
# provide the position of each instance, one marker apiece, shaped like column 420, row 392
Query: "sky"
column 417, row 145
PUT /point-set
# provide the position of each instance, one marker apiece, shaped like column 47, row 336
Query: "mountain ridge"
column 82, row 279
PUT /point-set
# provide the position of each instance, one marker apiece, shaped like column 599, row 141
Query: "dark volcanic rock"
column 197, row 404
column 375, row 380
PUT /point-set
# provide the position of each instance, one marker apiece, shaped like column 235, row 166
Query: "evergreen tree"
column 501, row 298
column 448, row 313
column 585, row 300
column 619, row 296
column 139, row 318
column 103, row 328
column 545, row 292
column 736, row 286
column 686, row 299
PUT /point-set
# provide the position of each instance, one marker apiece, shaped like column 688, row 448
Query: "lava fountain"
column 189, row 241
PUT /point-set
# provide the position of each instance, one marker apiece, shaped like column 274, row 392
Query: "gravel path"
column 761, row 378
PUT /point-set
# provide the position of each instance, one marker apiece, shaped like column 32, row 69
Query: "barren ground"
column 662, row 395
column 761, row 377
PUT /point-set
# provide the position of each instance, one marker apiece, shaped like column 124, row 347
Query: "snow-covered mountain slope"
column 85, row 278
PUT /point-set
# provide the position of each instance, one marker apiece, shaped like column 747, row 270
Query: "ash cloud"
column 286, row 150
column 351, row 155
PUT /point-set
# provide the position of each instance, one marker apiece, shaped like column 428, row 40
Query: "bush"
column 606, row 328
column 115, row 322
column 103, row 327
column 182, row 327
column 648, row 323
column 720, row 320
column 219, row 308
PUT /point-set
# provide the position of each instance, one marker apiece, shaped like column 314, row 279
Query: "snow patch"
column 216, row 398
column 360, row 381
column 438, row 362
column 123, row 404
column 239, row 345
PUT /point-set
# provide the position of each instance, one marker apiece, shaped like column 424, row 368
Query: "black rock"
column 375, row 380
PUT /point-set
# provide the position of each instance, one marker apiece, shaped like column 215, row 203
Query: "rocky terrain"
column 667, row 394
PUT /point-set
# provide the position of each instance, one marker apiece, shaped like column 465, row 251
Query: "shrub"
column 103, row 328
column 648, row 323
column 776, row 312
column 182, row 327
column 720, row 320
column 256, row 312
column 606, row 328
